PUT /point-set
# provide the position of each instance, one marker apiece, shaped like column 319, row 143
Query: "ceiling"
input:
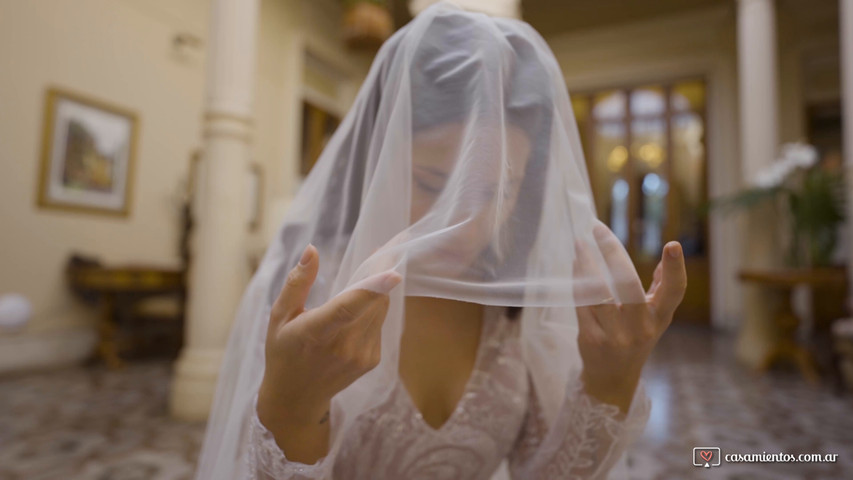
column 550, row 17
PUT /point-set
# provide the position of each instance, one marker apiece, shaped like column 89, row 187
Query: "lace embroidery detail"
column 268, row 462
column 392, row 441
column 497, row 417
column 586, row 440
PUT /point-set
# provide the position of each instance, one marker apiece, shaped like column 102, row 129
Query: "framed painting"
column 87, row 157
column 318, row 125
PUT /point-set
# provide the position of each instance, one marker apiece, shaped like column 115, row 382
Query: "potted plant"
column 811, row 196
column 367, row 23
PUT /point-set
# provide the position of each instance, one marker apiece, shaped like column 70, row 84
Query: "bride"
column 458, row 311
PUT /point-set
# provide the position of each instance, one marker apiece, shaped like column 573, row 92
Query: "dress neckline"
column 487, row 331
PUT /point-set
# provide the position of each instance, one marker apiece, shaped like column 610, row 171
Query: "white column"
column 846, row 33
column 219, row 269
column 759, row 138
column 756, row 41
column 498, row 8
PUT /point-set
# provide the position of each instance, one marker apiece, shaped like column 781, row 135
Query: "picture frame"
column 318, row 125
column 88, row 153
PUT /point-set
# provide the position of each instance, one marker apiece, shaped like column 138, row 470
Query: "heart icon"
column 706, row 455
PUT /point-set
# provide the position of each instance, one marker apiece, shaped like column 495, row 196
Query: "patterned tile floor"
column 702, row 398
column 93, row 424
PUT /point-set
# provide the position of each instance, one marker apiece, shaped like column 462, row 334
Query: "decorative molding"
column 498, row 8
column 642, row 72
column 214, row 115
column 244, row 137
column 326, row 62
column 707, row 21
column 332, row 105
column 334, row 70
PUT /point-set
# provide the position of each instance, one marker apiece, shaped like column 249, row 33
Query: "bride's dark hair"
column 441, row 83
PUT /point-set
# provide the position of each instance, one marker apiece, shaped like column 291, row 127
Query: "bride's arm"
column 585, row 441
column 267, row 461
column 604, row 409
column 301, row 431
column 311, row 355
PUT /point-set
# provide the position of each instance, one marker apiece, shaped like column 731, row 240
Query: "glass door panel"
column 645, row 149
column 648, row 101
column 688, row 179
column 648, row 155
column 688, row 96
column 609, row 105
column 610, row 182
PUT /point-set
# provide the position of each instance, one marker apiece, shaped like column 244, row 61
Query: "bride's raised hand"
column 313, row 354
column 615, row 338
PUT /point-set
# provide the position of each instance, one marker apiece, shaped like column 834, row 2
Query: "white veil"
column 460, row 167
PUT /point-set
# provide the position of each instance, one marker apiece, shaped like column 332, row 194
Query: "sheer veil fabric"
column 460, row 167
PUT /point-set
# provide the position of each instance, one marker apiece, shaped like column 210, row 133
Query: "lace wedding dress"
column 498, row 418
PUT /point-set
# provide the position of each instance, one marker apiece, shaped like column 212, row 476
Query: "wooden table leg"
column 786, row 348
column 107, row 346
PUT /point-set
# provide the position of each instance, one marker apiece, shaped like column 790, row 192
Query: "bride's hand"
column 615, row 339
column 313, row 354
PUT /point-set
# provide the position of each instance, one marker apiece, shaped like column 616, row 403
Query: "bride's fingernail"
column 675, row 251
column 391, row 280
column 306, row 255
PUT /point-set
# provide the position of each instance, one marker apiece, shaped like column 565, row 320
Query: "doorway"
column 646, row 155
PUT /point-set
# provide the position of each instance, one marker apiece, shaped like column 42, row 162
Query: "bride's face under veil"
column 490, row 192
column 454, row 188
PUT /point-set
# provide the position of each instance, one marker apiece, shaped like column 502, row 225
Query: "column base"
column 194, row 383
column 757, row 333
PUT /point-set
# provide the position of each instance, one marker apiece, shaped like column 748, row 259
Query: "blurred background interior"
column 148, row 149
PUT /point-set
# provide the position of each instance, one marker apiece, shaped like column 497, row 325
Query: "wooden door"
column 646, row 154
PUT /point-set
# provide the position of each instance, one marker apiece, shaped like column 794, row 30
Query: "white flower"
column 763, row 180
column 793, row 156
column 801, row 155
column 773, row 175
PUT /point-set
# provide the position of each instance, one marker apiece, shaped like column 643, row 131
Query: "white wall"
column 120, row 51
